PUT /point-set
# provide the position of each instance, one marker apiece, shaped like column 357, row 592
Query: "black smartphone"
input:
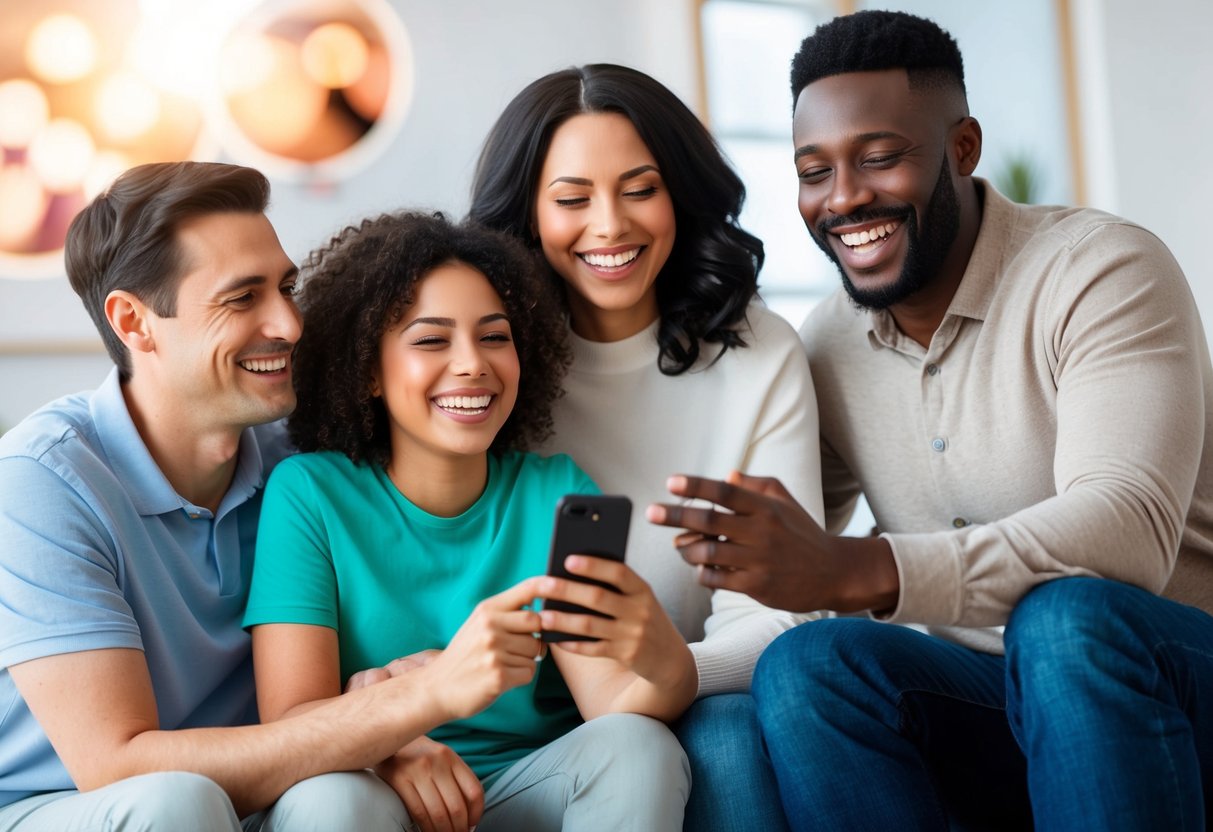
column 586, row 524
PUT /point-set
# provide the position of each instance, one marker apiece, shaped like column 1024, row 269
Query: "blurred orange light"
column 61, row 48
column 334, row 55
column 61, row 154
column 23, row 112
column 22, row 207
column 126, row 106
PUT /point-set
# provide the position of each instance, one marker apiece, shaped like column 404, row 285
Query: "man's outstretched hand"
column 766, row 545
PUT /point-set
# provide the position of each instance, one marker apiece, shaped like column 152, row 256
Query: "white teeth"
column 264, row 365
column 611, row 260
column 473, row 404
column 860, row 238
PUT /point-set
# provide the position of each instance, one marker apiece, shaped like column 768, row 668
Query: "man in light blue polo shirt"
column 127, row 518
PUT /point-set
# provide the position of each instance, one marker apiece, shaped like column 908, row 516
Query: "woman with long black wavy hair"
column 677, row 367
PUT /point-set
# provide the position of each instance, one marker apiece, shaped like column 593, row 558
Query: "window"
column 747, row 49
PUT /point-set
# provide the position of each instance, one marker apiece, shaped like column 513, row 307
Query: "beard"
column 925, row 253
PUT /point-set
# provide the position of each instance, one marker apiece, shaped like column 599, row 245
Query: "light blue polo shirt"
column 98, row 551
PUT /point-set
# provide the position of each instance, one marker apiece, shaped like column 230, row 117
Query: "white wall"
column 1146, row 69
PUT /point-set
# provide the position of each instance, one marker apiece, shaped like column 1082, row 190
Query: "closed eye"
column 572, row 201
column 642, row 193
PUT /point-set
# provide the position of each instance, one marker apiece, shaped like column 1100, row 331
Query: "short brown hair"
column 126, row 237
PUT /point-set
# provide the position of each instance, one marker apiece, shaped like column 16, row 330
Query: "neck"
column 199, row 462
column 609, row 325
column 444, row 486
column 920, row 315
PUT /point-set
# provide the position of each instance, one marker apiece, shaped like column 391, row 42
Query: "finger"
column 619, row 575
column 414, row 805
column 699, row 519
column 519, row 595
column 517, row 621
column 437, row 816
column 716, row 554
column 592, row 596
column 576, row 623
column 473, row 792
column 454, row 801
column 366, row 678
column 686, row 539
column 770, row 486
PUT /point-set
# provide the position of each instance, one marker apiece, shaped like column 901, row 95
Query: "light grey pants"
column 618, row 772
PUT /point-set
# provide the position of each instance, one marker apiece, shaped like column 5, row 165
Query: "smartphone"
column 586, row 524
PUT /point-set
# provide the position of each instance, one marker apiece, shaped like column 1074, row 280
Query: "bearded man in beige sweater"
column 1024, row 396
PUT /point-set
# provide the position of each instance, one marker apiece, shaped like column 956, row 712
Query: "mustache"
column 864, row 216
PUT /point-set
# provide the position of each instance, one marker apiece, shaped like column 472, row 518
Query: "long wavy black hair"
column 712, row 272
column 356, row 287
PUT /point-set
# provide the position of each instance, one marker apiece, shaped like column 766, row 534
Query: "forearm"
column 603, row 686
column 255, row 764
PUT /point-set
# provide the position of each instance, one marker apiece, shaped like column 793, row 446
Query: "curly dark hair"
column 871, row 41
column 712, row 272
column 356, row 287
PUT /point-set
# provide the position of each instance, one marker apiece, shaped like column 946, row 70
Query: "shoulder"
column 55, row 428
column 326, row 469
column 834, row 322
column 557, row 472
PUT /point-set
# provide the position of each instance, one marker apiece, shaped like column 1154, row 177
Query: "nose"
column 849, row 190
column 609, row 220
column 467, row 358
column 284, row 322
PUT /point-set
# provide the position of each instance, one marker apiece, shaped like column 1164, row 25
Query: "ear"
column 966, row 144
column 376, row 387
column 128, row 317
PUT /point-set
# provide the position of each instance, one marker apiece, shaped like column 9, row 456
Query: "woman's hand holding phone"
column 493, row 651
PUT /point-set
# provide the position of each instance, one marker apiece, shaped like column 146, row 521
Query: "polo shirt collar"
column 149, row 490
column 976, row 289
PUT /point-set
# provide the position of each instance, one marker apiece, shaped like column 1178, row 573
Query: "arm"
column 298, row 671
column 1124, row 346
column 640, row 664
column 98, row 710
column 784, row 444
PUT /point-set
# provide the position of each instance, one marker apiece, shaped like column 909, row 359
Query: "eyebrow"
column 627, row 174
column 862, row 138
column 450, row 322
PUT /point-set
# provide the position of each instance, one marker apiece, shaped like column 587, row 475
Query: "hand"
column 398, row 667
column 493, row 651
column 639, row 635
column 437, row 787
column 772, row 550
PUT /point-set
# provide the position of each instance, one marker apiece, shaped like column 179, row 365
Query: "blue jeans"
column 1093, row 720
column 732, row 784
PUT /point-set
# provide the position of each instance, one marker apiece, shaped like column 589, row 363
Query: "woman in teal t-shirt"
column 430, row 358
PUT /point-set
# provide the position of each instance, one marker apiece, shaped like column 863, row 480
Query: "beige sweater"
column 1060, row 422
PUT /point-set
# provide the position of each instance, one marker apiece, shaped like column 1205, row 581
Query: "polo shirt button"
column 939, row 444
column 959, row 523
column 932, row 369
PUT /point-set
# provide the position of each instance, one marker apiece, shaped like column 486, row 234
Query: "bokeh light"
column 60, row 49
column 334, row 55
column 24, row 111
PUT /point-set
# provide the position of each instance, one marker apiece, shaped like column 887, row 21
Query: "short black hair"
column 711, row 275
column 871, row 41
column 126, row 238
column 358, row 285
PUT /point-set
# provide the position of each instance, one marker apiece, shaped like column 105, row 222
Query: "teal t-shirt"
column 339, row 546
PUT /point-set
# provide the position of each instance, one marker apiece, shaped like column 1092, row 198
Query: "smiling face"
column 605, row 221
column 878, row 184
column 448, row 369
column 223, row 361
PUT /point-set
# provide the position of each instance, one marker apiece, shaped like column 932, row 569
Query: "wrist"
column 871, row 581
